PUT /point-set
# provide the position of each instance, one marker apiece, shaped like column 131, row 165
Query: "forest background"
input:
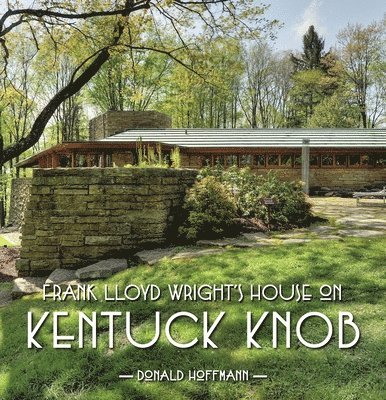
column 207, row 64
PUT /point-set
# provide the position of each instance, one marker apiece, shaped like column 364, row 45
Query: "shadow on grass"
column 6, row 277
column 295, row 373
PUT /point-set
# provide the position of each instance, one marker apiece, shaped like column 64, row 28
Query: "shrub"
column 211, row 210
column 292, row 208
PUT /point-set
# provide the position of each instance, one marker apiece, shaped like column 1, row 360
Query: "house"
column 338, row 158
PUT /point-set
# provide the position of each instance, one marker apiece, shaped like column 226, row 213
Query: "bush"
column 292, row 208
column 211, row 209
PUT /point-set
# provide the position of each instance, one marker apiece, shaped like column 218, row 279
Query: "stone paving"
column 344, row 219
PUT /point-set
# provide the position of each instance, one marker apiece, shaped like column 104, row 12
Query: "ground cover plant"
column 296, row 373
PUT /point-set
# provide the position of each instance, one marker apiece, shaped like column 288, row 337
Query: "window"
column 378, row 160
column 80, row 160
column 246, row 160
column 206, row 161
column 298, row 161
column 93, row 160
column 231, row 160
column 314, row 160
column 327, row 160
column 354, row 159
column 273, row 159
column 286, row 160
column 365, row 159
column 109, row 160
column 219, row 160
column 260, row 160
column 340, row 160
column 64, row 161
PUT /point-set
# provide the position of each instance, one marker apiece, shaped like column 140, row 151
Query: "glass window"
column 231, row 160
column 365, row 159
column 327, row 159
column 260, row 160
column 109, row 160
column 314, row 160
column 94, row 160
column 219, row 160
column 286, row 160
column 246, row 160
column 80, row 160
column 273, row 159
column 340, row 160
column 206, row 161
column 354, row 159
column 378, row 160
column 64, row 161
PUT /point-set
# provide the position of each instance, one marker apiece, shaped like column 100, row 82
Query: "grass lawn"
column 295, row 373
column 5, row 242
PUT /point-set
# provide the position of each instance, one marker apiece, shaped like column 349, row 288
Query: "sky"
column 328, row 17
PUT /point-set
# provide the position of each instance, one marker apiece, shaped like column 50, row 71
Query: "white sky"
column 328, row 17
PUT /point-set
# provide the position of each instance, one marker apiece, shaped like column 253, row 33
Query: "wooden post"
column 306, row 165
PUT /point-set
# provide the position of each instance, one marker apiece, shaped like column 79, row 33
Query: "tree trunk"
column 48, row 111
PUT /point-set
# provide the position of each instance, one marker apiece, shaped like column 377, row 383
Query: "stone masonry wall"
column 112, row 122
column 78, row 216
column 333, row 178
column 336, row 178
column 20, row 189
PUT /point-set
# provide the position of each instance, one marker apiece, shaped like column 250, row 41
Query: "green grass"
column 296, row 373
column 5, row 242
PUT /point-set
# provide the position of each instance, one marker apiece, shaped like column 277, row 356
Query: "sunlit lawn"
column 5, row 242
column 296, row 373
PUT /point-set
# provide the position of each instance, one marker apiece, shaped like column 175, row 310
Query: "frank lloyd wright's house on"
column 338, row 158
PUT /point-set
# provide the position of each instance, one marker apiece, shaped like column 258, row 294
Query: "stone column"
column 306, row 165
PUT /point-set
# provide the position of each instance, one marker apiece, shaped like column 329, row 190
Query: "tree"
column 317, row 75
column 209, row 99
column 129, row 82
column 122, row 26
column 362, row 51
column 265, row 87
column 336, row 111
column 313, row 46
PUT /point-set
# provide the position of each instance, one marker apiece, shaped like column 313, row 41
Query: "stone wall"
column 333, row 178
column 348, row 178
column 20, row 189
column 113, row 122
column 77, row 216
column 336, row 178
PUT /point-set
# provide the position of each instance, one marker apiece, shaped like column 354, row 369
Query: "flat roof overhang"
column 235, row 148
column 70, row 147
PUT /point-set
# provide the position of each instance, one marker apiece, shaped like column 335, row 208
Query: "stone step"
column 27, row 285
column 102, row 269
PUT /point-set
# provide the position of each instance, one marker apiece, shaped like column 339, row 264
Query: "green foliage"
column 313, row 46
column 362, row 51
column 175, row 157
column 130, row 82
column 209, row 97
column 292, row 208
column 148, row 156
column 310, row 88
column 211, row 209
column 335, row 111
